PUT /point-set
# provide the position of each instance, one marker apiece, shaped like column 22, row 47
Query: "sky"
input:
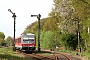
column 23, row 10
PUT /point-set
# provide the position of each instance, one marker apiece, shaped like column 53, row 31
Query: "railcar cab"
column 28, row 42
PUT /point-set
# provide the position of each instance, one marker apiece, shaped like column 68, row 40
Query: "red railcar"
column 26, row 42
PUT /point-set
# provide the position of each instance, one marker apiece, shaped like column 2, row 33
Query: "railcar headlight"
column 23, row 45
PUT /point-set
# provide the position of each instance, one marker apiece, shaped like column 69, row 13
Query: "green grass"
column 6, row 53
column 87, row 54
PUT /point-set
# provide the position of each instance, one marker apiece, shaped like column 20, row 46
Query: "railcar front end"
column 28, row 42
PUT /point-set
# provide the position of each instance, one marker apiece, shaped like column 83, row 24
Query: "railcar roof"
column 24, row 34
column 28, row 34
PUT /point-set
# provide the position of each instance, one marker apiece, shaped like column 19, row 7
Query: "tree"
column 82, row 8
column 82, row 11
column 1, row 41
column 2, row 35
column 50, row 24
column 9, row 41
column 48, row 40
column 64, row 10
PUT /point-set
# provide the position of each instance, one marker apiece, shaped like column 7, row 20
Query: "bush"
column 1, row 41
column 70, row 41
column 47, row 40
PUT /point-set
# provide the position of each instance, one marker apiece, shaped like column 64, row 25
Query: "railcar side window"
column 19, row 40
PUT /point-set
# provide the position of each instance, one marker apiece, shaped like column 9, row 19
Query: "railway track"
column 51, row 56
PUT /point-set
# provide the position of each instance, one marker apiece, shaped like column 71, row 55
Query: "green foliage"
column 2, row 35
column 70, row 41
column 47, row 40
column 82, row 8
column 1, row 41
column 42, row 41
column 64, row 11
column 50, row 39
column 9, row 41
column 82, row 11
column 50, row 24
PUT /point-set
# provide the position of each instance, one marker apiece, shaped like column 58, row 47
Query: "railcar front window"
column 31, row 40
column 28, row 41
